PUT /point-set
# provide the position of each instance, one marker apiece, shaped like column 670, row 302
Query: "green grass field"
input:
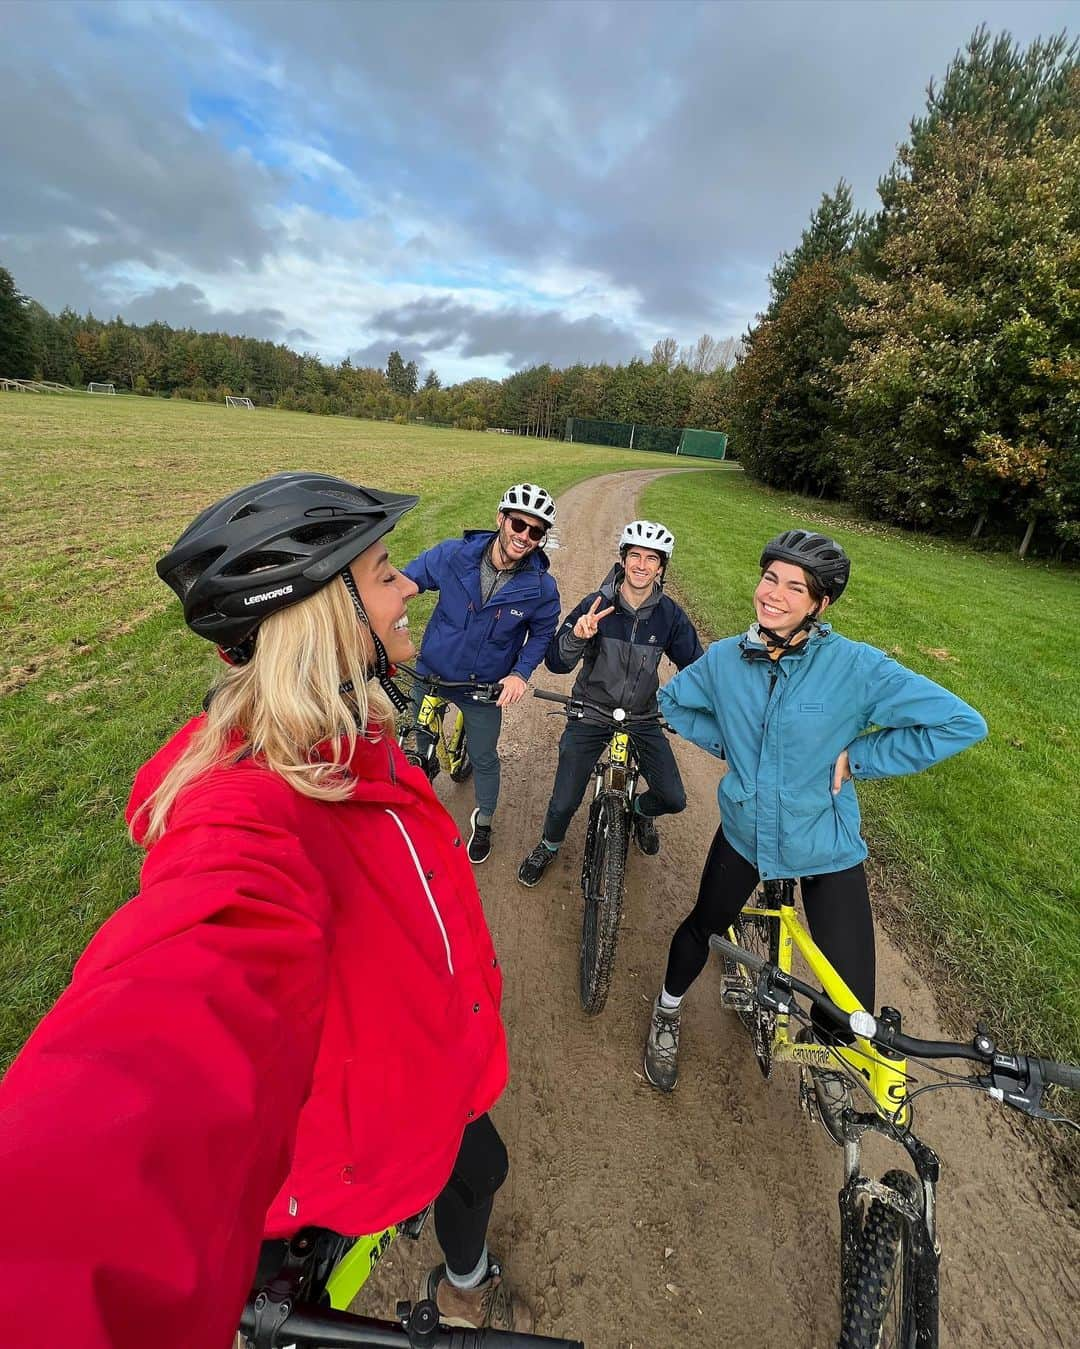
column 96, row 669
column 986, row 844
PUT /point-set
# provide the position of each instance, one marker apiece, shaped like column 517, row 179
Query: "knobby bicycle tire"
column 760, row 935
column 456, row 746
column 602, row 873
column 884, row 1305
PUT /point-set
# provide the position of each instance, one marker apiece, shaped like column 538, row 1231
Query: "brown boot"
column 489, row 1306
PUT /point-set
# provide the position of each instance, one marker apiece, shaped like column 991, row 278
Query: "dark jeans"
column 582, row 744
column 837, row 908
column 483, row 723
column 464, row 1207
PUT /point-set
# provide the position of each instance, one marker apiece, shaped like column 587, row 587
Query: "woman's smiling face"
column 782, row 599
column 385, row 591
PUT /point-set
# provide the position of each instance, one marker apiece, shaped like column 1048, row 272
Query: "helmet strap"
column 774, row 639
column 381, row 672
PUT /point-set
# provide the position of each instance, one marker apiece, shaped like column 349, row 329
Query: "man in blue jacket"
column 498, row 608
column 619, row 633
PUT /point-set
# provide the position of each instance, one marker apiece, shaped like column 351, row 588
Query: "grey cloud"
column 519, row 337
column 107, row 162
column 186, row 306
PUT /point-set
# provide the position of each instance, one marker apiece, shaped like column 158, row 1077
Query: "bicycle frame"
column 885, row 1078
column 617, row 770
column 430, row 718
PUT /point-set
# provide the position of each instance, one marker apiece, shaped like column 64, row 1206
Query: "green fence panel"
column 703, row 444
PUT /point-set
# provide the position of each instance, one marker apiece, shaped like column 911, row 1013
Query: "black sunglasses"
column 520, row 526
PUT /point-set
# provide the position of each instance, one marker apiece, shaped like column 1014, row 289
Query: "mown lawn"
column 96, row 669
column 986, row 845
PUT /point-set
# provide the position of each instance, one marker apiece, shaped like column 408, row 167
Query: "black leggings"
column 464, row 1207
column 837, row 908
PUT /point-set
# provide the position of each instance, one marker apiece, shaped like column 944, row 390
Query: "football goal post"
column 231, row 402
column 100, row 388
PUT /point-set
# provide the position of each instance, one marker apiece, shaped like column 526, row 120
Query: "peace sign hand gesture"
column 587, row 624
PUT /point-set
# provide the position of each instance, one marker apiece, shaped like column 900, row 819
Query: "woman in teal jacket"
column 790, row 705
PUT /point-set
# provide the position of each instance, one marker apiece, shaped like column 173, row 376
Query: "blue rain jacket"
column 465, row 639
column 782, row 725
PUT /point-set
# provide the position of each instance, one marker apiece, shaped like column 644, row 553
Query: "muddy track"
column 708, row 1217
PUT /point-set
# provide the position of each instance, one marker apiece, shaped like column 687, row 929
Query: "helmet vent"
column 183, row 577
column 253, row 562
column 325, row 531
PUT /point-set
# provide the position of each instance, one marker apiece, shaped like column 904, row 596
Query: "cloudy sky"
column 483, row 185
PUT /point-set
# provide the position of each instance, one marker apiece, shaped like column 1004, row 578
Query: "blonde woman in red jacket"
column 296, row 1021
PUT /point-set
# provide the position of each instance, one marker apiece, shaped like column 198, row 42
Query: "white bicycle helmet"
column 531, row 500
column 648, row 534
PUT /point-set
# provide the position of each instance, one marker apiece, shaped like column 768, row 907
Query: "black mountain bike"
column 607, row 839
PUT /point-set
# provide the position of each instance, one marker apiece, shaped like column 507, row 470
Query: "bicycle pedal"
column 737, row 999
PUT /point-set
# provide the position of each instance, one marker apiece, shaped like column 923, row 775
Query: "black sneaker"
column 536, row 864
column 645, row 835
column 479, row 840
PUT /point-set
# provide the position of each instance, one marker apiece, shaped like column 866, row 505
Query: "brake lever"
column 1002, row 1084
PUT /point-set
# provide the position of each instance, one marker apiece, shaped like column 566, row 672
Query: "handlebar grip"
column 1060, row 1074
column 549, row 697
column 727, row 948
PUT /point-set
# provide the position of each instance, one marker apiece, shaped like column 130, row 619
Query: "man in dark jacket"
column 498, row 608
column 619, row 633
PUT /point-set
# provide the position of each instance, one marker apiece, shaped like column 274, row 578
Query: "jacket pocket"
column 812, row 837
column 738, row 809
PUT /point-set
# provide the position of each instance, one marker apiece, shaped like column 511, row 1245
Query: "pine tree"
column 16, row 331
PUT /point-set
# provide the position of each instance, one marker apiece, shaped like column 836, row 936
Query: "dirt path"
column 708, row 1217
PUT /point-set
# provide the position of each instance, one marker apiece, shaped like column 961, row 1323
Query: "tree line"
column 675, row 387
column 923, row 362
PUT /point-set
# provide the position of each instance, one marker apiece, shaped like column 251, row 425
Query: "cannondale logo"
column 268, row 595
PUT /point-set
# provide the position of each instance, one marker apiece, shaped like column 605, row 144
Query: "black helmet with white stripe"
column 271, row 545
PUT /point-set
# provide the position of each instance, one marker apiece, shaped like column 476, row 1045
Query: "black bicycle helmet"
column 271, row 545
column 822, row 557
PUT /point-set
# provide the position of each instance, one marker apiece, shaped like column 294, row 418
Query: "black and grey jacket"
column 620, row 664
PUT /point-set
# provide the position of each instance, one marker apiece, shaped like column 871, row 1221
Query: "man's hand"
column 842, row 773
column 587, row 624
column 513, row 690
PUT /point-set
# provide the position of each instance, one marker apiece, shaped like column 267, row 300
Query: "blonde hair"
column 283, row 703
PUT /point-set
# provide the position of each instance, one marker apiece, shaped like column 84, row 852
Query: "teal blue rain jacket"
column 782, row 725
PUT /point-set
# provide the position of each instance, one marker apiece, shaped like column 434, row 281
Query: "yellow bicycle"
column 424, row 739
column 889, row 1248
column 304, row 1285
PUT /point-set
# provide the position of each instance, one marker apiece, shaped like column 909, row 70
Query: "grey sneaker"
column 537, row 862
column 491, row 1305
column 662, row 1048
column 479, row 840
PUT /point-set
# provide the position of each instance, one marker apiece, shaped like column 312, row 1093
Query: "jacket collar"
column 752, row 644
column 476, row 540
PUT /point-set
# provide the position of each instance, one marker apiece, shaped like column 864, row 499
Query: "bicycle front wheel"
column 886, row 1305
column 759, row 934
column 602, row 874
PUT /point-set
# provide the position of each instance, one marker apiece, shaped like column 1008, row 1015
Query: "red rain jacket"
column 291, row 1023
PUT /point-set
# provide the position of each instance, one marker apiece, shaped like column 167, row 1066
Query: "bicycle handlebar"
column 482, row 693
column 1031, row 1073
column 419, row 1326
column 575, row 707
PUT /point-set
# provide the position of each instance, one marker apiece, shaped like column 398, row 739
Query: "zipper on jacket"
column 427, row 888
